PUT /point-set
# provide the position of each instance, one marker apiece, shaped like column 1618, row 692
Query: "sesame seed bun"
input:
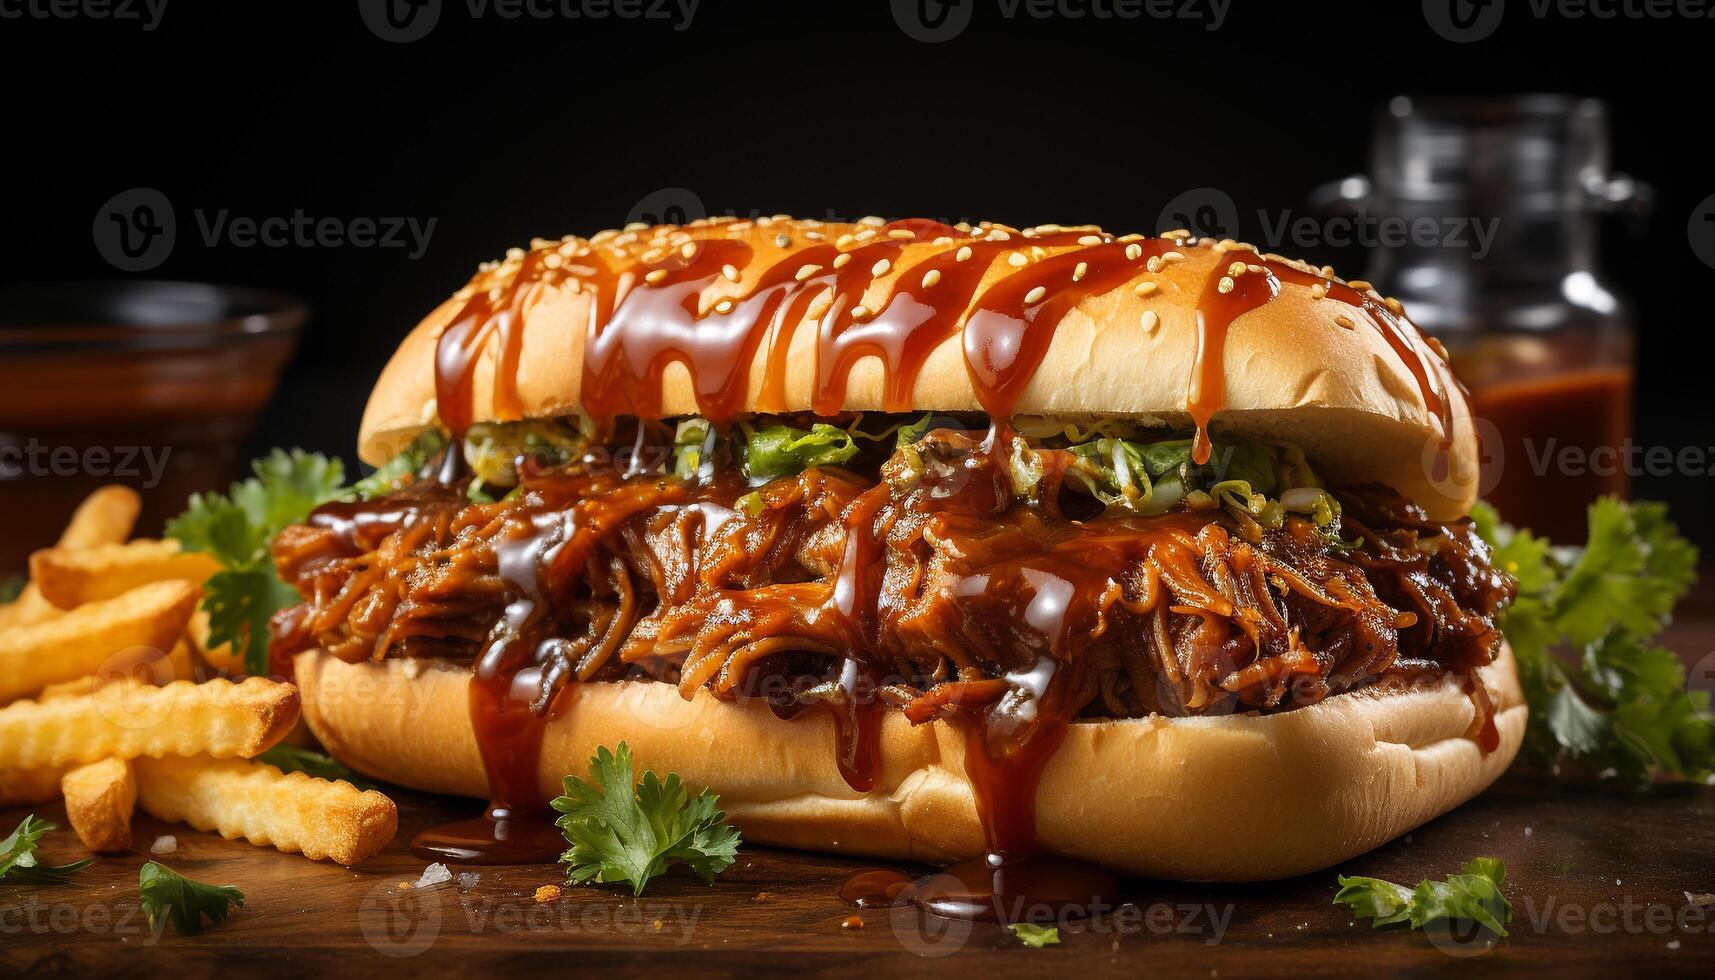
column 1306, row 367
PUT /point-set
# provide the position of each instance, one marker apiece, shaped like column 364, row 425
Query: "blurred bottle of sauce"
column 1499, row 201
column 155, row 385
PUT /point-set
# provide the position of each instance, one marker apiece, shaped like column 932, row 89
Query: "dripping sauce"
column 646, row 315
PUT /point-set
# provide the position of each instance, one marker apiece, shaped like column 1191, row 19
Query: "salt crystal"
column 1527, row 831
column 433, row 875
column 164, row 845
column 468, row 880
column 1673, row 944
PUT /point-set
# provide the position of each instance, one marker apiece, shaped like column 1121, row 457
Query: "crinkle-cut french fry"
column 293, row 812
column 88, row 638
column 105, row 517
column 149, row 667
column 70, row 577
column 28, row 787
column 127, row 719
column 99, row 799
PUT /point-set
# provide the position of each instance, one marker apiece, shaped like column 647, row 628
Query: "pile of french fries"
column 112, row 697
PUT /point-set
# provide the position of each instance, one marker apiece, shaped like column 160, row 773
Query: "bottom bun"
column 1229, row 798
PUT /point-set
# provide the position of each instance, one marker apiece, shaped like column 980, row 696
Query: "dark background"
column 503, row 129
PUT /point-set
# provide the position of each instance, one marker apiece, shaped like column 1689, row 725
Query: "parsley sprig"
column 1035, row 936
column 166, row 893
column 1622, row 704
column 624, row 830
column 1473, row 895
column 236, row 527
column 18, row 863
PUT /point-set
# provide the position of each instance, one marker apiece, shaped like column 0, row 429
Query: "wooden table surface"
column 1598, row 879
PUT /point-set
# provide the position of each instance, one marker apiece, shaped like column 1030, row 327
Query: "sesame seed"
column 880, row 268
column 815, row 236
column 844, row 241
column 730, row 271
column 764, row 222
column 806, row 271
column 1089, row 239
column 782, row 217
column 655, row 276
column 1345, row 321
column 783, row 241
column 997, row 235
column 942, row 240
column 514, row 254
column 931, row 277
column 901, row 233
column 1035, row 295
column 1254, row 268
column 962, row 254
column 1394, row 305
column 865, row 235
column 1435, row 345
column 637, row 226
column 871, row 220
column 841, row 259
column 1134, row 251
column 552, row 260
column 1236, row 269
column 1225, row 286
column 1318, row 291
column 860, row 311
column 1133, row 237
column 1154, row 263
column 1361, row 285
column 1150, row 321
column 1144, row 288
column 1017, row 259
column 1078, row 273
column 688, row 250
column 1173, row 257
column 724, row 306
column 1177, row 233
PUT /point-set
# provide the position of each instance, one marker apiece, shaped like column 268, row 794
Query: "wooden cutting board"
column 1597, row 876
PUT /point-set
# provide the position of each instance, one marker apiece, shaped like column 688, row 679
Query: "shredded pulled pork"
column 932, row 577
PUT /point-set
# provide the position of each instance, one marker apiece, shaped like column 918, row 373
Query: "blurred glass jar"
column 155, row 385
column 1500, row 200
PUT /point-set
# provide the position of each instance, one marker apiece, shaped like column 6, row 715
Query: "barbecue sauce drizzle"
column 646, row 316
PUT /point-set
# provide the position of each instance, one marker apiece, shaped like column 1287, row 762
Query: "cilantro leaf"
column 623, row 830
column 1473, row 895
column 236, row 528
column 1035, row 936
column 165, row 893
column 293, row 758
column 1623, row 704
column 18, row 856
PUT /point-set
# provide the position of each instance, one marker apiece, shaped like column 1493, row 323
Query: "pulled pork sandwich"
column 919, row 541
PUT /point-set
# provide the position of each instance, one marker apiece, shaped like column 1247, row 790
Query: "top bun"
column 1305, row 358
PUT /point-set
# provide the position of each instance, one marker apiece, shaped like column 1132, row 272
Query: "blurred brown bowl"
column 152, row 384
